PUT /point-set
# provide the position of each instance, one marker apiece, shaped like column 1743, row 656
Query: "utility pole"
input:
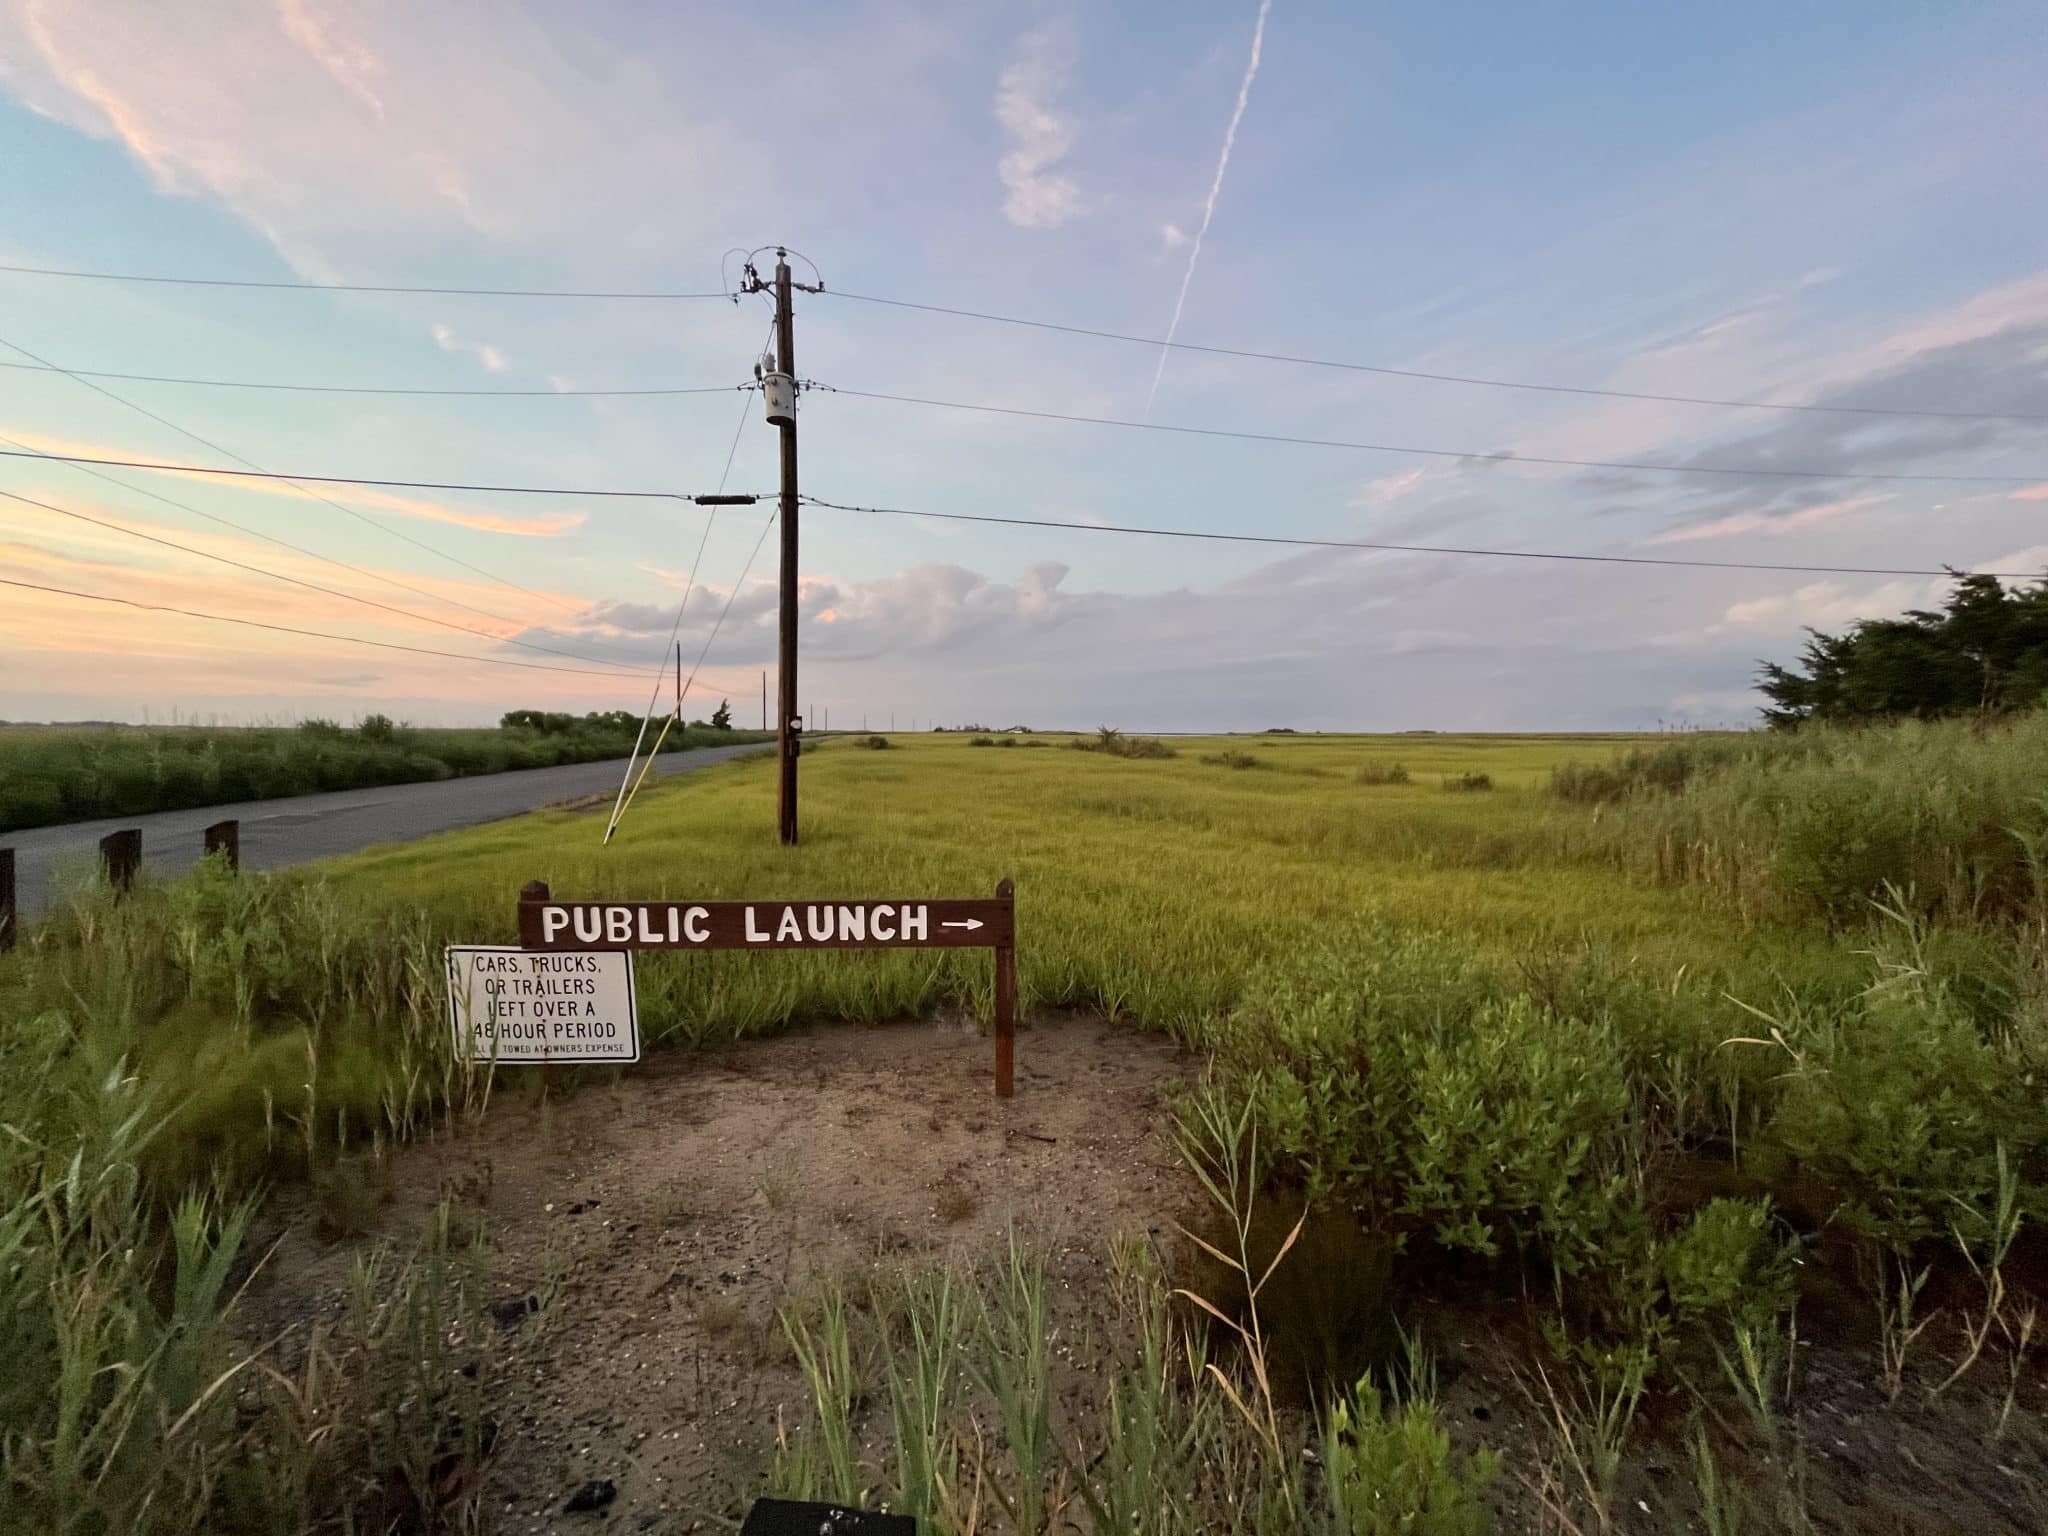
column 764, row 701
column 778, row 391
column 786, row 743
column 679, row 682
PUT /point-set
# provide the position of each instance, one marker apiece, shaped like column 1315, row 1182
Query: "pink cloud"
column 1759, row 522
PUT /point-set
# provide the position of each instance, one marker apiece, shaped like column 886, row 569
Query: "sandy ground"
column 664, row 1216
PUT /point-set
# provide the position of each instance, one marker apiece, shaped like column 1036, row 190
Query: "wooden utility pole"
column 679, row 682
column 786, row 743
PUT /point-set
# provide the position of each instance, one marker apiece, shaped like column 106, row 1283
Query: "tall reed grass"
column 1823, row 820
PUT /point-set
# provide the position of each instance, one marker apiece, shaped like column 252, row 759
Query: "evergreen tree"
column 721, row 717
column 1985, row 651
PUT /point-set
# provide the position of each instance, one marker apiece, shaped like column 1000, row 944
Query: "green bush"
column 1729, row 1260
column 875, row 743
column 1468, row 782
column 1905, row 1108
column 1389, row 1470
column 1230, row 759
column 1383, row 773
column 1116, row 744
column 1400, row 1077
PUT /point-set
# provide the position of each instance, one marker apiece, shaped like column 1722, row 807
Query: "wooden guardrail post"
column 7, row 910
column 225, row 837
column 121, row 857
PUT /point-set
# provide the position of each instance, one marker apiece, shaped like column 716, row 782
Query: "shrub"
column 875, row 743
column 982, row 741
column 1467, row 783
column 1383, row 773
column 1729, row 1260
column 377, row 728
column 1230, row 759
column 1116, row 744
column 1399, row 1076
column 1904, row 1107
column 1389, row 1468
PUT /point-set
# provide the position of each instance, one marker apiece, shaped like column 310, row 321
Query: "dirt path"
column 658, row 1221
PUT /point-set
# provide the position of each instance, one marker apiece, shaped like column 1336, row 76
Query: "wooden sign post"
column 545, row 923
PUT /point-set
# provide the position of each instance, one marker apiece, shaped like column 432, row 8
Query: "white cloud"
column 353, row 66
column 1825, row 604
column 340, row 132
column 1172, row 237
column 2033, row 558
column 1039, row 136
column 493, row 360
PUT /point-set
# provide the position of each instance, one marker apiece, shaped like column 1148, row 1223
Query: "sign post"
column 597, row 926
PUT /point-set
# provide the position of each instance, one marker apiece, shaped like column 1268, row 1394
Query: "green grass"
column 51, row 774
column 1490, row 1025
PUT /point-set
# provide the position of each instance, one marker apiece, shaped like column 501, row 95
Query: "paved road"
column 280, row 832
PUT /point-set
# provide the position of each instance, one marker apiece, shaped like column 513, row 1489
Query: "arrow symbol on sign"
column 969, row 924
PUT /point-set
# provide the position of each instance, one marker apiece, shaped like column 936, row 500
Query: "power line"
column 311, row 586
column 1406, row 549
column 268, row 538
column 1440, row 378
column 1473, row 380
column 286, row 629
column 372, row 389
column 1506, row 459
column 1461, row 454
column 361, row 517
column 305, row 287
column 164, row 467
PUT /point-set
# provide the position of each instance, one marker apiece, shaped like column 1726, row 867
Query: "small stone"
column 591, row 1497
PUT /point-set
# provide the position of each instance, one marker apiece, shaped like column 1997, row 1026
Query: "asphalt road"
column 280, row 832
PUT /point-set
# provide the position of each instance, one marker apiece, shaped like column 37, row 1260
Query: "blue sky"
column 1815, row 204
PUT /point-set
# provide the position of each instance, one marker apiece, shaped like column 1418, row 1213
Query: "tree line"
column 1984, row 651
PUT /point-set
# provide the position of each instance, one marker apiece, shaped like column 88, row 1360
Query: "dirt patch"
column 643, row 1232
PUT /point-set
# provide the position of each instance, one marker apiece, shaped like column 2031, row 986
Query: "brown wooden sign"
column 910, row 923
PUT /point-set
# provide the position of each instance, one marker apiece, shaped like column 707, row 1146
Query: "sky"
column 1828, row 204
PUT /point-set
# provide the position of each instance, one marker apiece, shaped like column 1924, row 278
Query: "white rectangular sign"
column 522, row 1005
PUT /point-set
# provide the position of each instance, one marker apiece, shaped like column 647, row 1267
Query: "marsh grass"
column 1823, row 820
column 976, row 1403
column 1477, row 1022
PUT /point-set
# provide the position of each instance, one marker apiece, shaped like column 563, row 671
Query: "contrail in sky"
column 1244, row 94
